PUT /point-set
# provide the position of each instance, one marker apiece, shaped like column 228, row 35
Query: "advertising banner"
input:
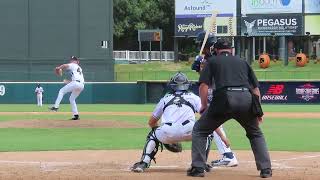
column 265, row 25
column 286, row 92
column 312, row 24
column 271, row 6
column 312, row 6
column 298, row 92
column 193, row 16
column 290, row 92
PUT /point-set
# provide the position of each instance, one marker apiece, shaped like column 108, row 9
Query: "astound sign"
column 271, row 6
column 192, row 16
column 266, row 25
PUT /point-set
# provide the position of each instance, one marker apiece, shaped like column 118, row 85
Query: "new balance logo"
column 274, row 93
column 275, row 89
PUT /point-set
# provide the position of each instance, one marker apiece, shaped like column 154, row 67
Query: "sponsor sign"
column 193, row 16
column 189, row 27
column 290, row 92
column 275, row 92
column 312, row 6
column 312, row 25
column 271, row 6
column 204, row 8
column 307, row 92
column 298, row 92
column 265, row 25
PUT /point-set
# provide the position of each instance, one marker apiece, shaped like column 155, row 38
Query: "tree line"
column 133, row 15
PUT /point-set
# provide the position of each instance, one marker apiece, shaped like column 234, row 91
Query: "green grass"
column 164, row 70
column 282, row 134
column 17, row 139
column 138, row 108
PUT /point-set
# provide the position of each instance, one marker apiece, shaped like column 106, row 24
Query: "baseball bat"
column 212, row 23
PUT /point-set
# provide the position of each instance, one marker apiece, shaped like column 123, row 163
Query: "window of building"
column 222, row 29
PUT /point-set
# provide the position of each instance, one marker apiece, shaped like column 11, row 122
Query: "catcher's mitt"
column 175, row 147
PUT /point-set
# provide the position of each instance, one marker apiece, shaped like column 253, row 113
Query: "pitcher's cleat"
column 53, row 109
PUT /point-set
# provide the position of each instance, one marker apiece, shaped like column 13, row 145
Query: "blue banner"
column 290, row 92
column 286, row 92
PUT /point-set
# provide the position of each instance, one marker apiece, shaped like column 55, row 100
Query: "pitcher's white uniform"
column 39, row 91
column 75, row 87
column 176, row 120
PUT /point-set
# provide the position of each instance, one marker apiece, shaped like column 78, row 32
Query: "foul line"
column 54, row 166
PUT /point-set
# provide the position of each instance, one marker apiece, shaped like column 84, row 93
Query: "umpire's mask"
column 179, row 82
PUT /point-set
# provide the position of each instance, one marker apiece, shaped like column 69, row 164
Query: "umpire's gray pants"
column 240, row 105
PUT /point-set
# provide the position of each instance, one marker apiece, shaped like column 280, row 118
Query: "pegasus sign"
column 249, row 26
column 264, row 25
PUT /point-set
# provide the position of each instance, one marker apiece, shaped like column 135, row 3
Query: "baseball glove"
column 58, row 71
column 175, row 147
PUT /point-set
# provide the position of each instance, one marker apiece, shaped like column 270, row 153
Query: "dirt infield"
column 69, row 124
column 114, row 165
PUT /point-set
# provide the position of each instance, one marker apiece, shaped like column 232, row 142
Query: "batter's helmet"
column 179, row 82
column 223, row 43
column 212, row 39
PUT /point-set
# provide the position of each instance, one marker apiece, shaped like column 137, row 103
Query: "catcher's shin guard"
column 151, row 148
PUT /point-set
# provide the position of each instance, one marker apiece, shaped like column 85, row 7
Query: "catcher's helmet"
column 179, row 82
column 212, row 39
column 223, row 43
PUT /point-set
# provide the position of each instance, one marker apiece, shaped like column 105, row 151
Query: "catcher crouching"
column 177, row 112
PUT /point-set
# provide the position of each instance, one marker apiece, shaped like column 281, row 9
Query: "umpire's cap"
column 210, row 41
column 223, row 43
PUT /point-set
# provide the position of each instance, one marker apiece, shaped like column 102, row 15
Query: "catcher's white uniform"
column 39, row 91
column 75, row 87
column 177, row 113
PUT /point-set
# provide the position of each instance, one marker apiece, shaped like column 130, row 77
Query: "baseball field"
column 37, row 144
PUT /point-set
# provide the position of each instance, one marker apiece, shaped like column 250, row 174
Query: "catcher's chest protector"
column 179, row 100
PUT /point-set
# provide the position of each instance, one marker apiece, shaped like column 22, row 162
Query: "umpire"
column 236, row 85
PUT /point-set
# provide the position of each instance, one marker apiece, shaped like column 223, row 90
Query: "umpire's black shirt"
column 226, row 70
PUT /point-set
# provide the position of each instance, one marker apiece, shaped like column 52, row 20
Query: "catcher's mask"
column 179, row 82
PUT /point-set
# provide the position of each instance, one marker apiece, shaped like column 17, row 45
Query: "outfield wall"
column 113, row 93
column 38, row 35
column 297, row 92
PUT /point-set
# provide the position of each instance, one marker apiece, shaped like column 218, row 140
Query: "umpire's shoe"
column 54, row 109
column 195, row 172
column 208, row 168
column 266, row 173
column 139, row 167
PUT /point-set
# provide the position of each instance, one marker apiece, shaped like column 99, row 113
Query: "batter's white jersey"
column 38, row 90
column 75, row 72
column 177, row 113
